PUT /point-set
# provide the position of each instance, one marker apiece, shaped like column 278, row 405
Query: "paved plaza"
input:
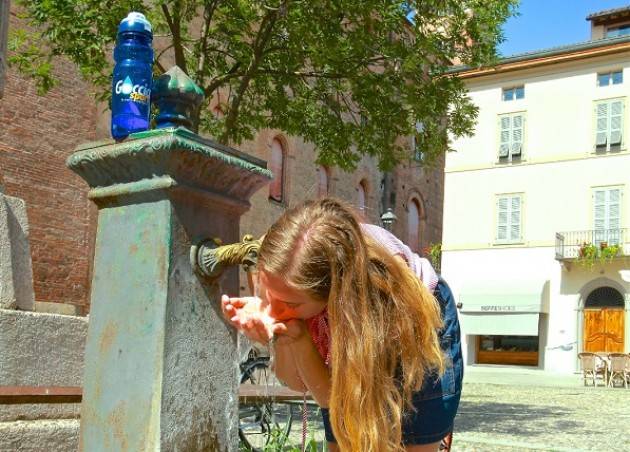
column 504, row 409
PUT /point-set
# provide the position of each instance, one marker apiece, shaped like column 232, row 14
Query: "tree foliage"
column 349, row 76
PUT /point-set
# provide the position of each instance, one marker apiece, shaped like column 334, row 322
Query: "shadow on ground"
column 513, row 419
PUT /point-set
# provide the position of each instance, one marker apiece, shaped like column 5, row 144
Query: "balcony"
column 570, row 245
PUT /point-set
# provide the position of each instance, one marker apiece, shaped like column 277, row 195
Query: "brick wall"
column 37, row 133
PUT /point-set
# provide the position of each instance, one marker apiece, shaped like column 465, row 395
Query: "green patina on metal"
column 177, row 98
column 161, row 367
column 157, row 147
column 122, row 381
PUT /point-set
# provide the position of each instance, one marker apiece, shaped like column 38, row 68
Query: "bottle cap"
column 135, row 22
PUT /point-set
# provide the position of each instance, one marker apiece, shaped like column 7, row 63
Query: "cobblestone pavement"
column 523, row 417
column 515, row 418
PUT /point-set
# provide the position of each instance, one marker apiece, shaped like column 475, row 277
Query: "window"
column 362, row 196
column 276, row 165
column 413, row 225
column 416, row 147
column 517, row 92
column 509, row 219
column 511, row 128
column 324, row 181
column 610, row 78
column 618, row 31
column 606, row 215
column 509, row 343
column 609, row 125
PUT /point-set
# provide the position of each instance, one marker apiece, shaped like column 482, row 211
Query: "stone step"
column 58, row 435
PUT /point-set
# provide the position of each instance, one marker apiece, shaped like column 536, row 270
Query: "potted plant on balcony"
column 434, row 253
column 587, row 254
column 608, row 252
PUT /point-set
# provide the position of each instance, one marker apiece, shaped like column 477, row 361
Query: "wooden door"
column 594, row 330
column 603, row 330
column 614, row 330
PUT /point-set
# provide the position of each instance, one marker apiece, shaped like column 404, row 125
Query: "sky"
column 549, row 23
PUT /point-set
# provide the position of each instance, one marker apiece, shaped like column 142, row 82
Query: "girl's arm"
column 312, row 369
column 284, row 367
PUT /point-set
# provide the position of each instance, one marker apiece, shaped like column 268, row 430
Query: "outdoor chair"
column 618, row 369
column 593, row 368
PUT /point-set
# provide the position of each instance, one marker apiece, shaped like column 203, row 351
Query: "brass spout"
column 210, row 257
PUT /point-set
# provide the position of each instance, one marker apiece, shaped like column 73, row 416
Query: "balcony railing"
column 570, row 244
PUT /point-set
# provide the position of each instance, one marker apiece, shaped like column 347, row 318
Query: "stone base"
column 39, row 411
column 41, row 349
column 44, row 435
column 56, row 308
column 16, row 273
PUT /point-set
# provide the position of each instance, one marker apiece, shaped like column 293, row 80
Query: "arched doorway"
column 604, row 321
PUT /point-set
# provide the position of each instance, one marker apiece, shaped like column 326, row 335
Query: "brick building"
column 37, row 133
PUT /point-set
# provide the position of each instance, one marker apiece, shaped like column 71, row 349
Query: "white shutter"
column 614, row 216
column 606, row 215
column 599, row 216
column 616, row 122
column 515, row 218
column 504, row 147
column 502, row 218
column 517, row 134
column 601, row 134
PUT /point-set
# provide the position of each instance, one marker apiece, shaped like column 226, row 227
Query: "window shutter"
column 616, row 121
column 515, row 218
column 614, row 215
column 602, row 124
column 517, row 134
column 502, row 219
column 504, row 147
column 599, row 215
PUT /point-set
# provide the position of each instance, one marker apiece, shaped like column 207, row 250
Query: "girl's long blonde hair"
column 384, row 323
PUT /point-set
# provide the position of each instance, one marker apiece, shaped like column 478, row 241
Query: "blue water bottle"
column 131, row 84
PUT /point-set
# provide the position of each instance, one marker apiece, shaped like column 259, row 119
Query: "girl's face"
column 287, row 303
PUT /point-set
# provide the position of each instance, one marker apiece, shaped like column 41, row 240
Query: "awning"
column 509, row 308
column 503, row 297
column 517, row 324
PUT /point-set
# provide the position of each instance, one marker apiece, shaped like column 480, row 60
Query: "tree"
column 349, row 76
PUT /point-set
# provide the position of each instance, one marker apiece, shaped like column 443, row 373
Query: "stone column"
column 161, row 369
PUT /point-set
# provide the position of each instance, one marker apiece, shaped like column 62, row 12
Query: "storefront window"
column 509, row 343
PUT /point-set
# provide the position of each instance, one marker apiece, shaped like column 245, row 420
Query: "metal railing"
column 573, row 244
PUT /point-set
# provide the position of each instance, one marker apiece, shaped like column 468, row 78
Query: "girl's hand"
column 249, row 315
column 289, row 331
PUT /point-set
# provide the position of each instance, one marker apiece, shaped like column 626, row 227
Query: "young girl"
column 362, row 323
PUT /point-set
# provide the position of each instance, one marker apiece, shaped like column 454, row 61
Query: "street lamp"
column 388, row 219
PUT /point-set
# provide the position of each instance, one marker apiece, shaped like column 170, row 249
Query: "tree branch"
column 264, row 34
column 174, row 25
column 208, row 12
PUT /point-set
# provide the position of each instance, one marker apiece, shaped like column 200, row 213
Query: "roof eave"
column 518, row 63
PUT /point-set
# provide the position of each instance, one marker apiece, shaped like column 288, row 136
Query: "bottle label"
column 139, row 93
